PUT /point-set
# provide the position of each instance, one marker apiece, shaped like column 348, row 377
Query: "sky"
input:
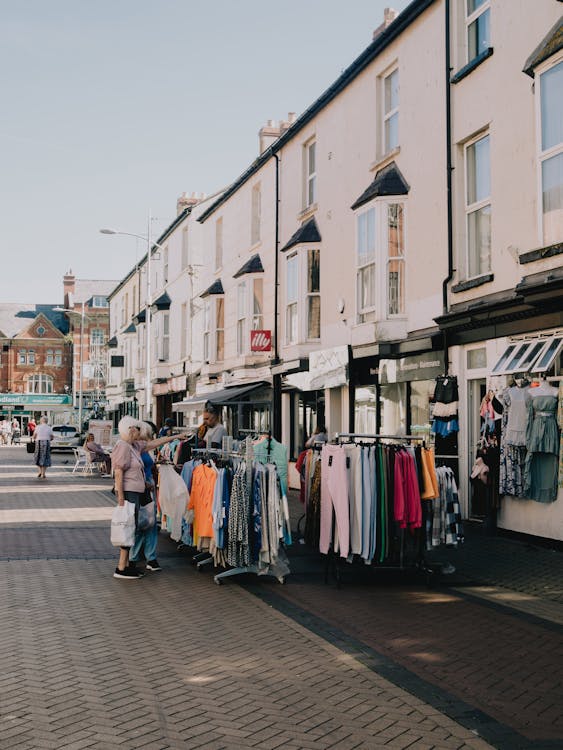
column 111, row 109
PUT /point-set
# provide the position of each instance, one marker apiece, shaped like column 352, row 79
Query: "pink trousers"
column 334, row 494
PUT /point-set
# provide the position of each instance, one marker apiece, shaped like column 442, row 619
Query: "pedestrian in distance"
column 31, row 425
column 96, row 454
column 215, row 430
column 146, row 540
column 129, row 475
column 16, row 432
column 167, row 427
column 42, row 436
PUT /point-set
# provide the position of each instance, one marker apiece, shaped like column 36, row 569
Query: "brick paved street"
column 174, row 661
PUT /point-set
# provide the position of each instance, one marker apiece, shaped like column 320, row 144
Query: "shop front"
column 246, row 409
column 168, row 392
column 393, row 396
column 23, row 406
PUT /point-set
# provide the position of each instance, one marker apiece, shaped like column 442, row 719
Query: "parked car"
column 66, row 438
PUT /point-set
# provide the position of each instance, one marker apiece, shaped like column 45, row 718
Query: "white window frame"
column 476, row 206
column 242, row 318
column 292, row 302
column 39, row 383
column 546, row 236
column 22, row 356
column 165, row 339
column 379, row 260
column 312, row 294
column 256, row 215
column 206, row 309
column 528, row 355
column 58, row 357
column 185, row 248
column 310, row 158
column 49, row 359
column 31, row 356
column 257, row 304
column 183, row 330
column 165, row 265
column 219, row 243
column 97, row 337
column 470, row 19
column 365, row 313
column 398, row 260
column 391, row 114
column 99, row 301
column 219, row 328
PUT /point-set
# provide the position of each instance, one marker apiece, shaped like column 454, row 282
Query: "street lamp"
column 80, row 360
column 147, row 239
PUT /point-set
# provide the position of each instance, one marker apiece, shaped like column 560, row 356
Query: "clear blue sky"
column 112, row 108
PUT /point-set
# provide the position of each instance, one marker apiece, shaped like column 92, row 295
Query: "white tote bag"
column 123, row 525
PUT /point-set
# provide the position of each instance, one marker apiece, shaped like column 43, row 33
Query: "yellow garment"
column 429, row 478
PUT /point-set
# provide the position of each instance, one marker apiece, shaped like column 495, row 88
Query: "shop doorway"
column 476, row 390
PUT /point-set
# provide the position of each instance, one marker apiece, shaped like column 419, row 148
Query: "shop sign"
column 416, row 367
column 328, row 368
column 44, row 399
column 260, row 341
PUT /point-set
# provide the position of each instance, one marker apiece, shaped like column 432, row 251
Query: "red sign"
column 260, row 341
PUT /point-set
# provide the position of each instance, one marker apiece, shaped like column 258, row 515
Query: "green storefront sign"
column 42, row 400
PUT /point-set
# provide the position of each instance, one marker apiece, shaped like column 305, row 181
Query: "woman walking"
column 42, row 437
column 129, row 474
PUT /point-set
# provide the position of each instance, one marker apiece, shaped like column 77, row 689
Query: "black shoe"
column 153, row 565
column 130, row 575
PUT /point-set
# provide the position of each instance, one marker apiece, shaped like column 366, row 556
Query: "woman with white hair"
column 146, row 539
column 129, row 474
column 42, row 436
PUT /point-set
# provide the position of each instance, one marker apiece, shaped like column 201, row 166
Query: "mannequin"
column 542, row 442
column 543, row 389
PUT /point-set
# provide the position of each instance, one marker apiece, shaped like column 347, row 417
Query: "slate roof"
column 215, row 288
column 306, row 234
column 549, row 45
column 252, row 265
column 130, row 328
column 163, row 302
column 388, row 181
column 15, row 317
column 141, row 316
column 85, row 289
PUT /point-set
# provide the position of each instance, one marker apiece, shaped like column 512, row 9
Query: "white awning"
column 528, row 356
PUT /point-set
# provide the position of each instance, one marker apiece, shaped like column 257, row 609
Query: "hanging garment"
column 173, row 498
column 560, row 422
column 542, row 442
column 238, row 547
column 334, row 495
column 513, row 441
column 354, row 471
column 313, row 512
column 201, row 501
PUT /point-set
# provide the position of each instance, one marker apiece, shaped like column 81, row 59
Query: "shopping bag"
column 30, row 447
column 123, row 525
column 146, row 518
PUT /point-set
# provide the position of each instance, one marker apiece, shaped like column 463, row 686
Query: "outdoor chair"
column 82, row 464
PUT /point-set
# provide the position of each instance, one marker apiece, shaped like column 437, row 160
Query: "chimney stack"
column 185, row 201
column 68, row 287
column 389, row 15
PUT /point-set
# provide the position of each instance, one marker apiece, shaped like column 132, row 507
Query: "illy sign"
column 260, row 341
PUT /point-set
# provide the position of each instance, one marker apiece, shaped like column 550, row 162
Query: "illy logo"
column 260, row 341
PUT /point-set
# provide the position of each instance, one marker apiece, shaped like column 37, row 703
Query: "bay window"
column 365, row 258
column 313, row 294
column 257, row 305
column 40, row 384
column 241, row 317
column 380, row 261
column 219, row 329
column 310, row 172
column 291, row 318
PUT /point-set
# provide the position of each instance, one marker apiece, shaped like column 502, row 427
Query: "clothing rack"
column 420, row 562
column 373, row 436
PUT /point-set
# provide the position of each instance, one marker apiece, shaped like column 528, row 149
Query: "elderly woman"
column 129, row 474
column 42, row 436
column 96, row 454
column 146, row 540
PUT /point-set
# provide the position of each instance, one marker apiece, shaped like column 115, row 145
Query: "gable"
column 38, row 329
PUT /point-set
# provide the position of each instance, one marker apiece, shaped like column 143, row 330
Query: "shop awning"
column 225, row 397
column 530, row 355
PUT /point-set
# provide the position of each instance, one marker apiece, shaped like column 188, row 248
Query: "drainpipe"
column 277, row 378
column 449, row 169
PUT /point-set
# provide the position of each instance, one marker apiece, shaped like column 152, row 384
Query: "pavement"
column 385, row 660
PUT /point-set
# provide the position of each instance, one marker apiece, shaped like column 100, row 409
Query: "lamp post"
column 80, row 361
column 147, row 239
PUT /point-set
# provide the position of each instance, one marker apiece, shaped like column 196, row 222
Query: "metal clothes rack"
column 420, row 562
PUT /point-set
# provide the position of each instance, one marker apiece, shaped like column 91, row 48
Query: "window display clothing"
column 513, row 440
column 560, row 422
column 542, row 443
